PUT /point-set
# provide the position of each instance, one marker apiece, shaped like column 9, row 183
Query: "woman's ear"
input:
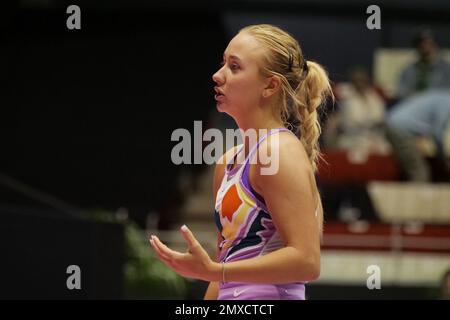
column 273, row 84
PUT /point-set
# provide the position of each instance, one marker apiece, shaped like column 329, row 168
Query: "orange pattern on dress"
column 230, row 203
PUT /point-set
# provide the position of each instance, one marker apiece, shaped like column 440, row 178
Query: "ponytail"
column 311, row 93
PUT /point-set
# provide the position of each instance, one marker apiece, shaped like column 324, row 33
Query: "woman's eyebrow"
column 233, row 57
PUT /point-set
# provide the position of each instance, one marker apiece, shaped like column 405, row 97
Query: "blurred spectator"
column 359, row 122
column 426, row 116
column 445, row 286
column 360, row 127
column 429, row 71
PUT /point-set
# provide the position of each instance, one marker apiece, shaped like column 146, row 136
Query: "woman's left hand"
column 195, row 263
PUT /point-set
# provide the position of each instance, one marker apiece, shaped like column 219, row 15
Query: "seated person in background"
column 360, row 117
column 428, row 72
column 426, row 115
column 359, row 126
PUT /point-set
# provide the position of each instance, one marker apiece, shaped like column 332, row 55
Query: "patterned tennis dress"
column 248, row 231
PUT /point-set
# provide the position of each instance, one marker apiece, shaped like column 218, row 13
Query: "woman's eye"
column 234, row 67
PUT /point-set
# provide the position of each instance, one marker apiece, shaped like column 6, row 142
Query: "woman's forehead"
column 244, row 47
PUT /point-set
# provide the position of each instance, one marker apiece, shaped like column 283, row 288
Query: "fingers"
column 171, row 254
column 168, row 261
column 158, row 251
column 189, row 237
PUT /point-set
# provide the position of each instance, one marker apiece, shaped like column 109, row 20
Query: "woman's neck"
column 260, row 124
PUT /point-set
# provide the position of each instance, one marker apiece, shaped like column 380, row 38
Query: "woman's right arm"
column 213, row 288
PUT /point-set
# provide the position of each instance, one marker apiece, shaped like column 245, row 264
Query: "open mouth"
column 218, row 91
column 219, row 95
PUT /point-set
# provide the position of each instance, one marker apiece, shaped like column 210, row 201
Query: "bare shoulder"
column 288, row 159
column 288, row 149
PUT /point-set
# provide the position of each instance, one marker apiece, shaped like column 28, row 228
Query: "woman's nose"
column 218, row 78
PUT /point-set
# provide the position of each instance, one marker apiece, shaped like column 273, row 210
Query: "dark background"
column 87, row 115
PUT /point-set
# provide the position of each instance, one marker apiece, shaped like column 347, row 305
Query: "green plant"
column 146, row 277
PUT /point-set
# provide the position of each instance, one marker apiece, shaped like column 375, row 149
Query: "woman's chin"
column 220, row 106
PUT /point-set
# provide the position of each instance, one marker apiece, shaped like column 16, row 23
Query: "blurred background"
column 86, row 123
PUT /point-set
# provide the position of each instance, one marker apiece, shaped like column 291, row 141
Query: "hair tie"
column 305, row 66
column 291, row 59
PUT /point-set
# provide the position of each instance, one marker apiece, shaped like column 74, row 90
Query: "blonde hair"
column 304, row 85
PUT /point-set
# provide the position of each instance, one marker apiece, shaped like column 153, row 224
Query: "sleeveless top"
column 241, row 214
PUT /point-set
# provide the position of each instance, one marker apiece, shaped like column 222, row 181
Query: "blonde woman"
column 269, row 224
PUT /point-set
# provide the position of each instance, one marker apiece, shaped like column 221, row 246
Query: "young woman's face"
column 239, row 84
